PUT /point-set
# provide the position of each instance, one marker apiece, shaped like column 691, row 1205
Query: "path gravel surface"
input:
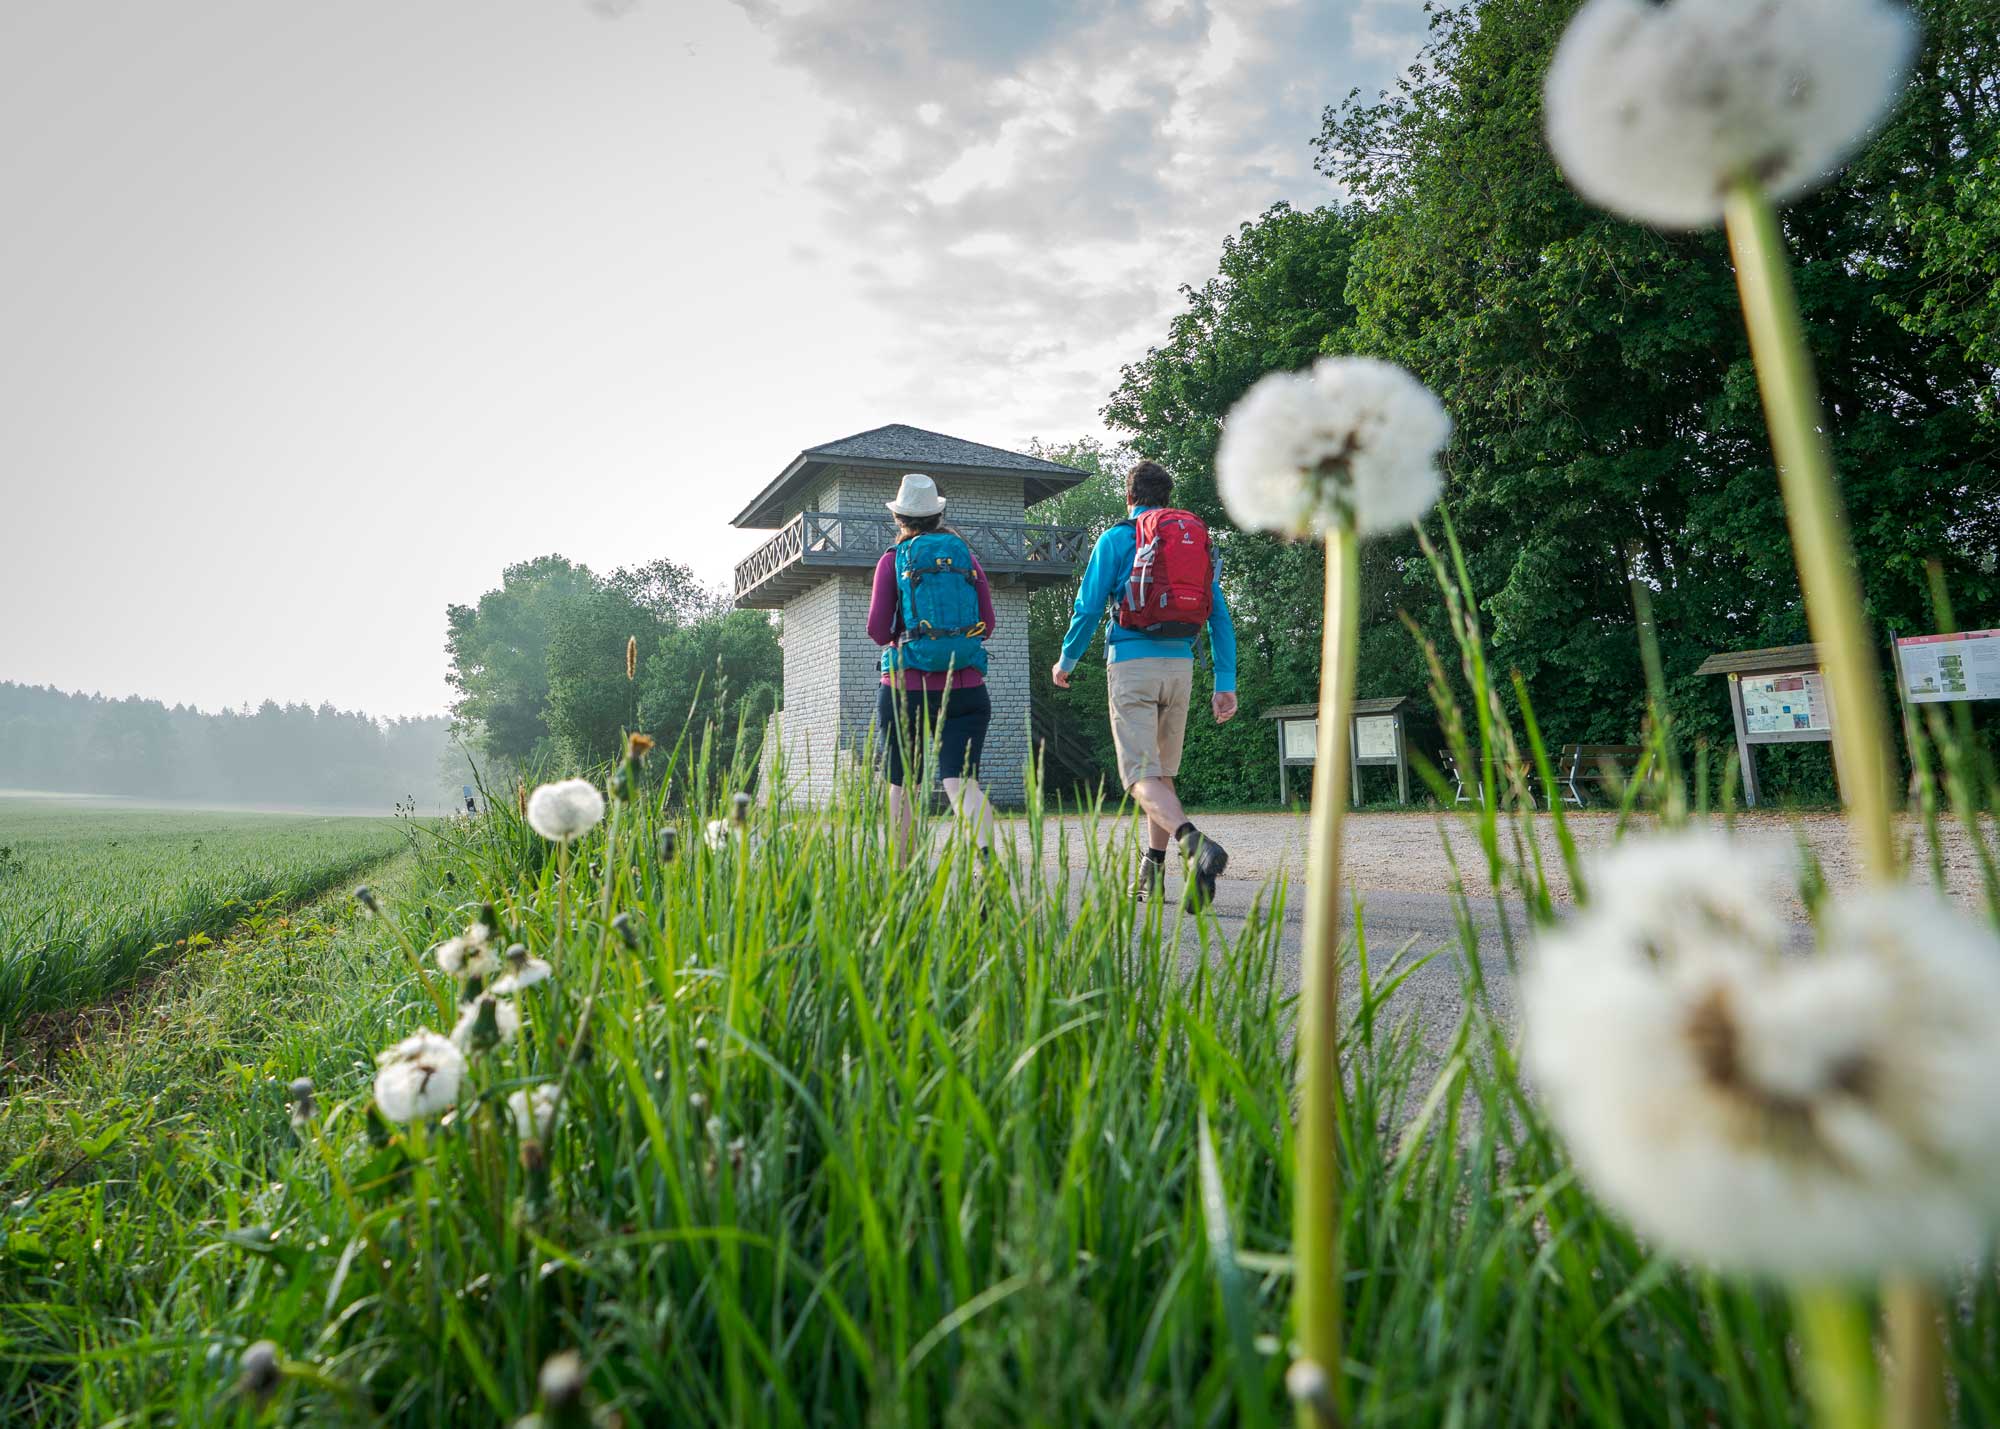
column 1397, row 864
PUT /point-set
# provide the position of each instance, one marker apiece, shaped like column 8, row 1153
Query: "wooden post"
column 1402, row 762
column 1746, row 759
column 1354, row 761
column 1284, row 770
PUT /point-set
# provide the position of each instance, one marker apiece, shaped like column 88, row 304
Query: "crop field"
column 91, row 891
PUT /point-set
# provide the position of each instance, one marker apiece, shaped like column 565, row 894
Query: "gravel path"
column 1398, row 865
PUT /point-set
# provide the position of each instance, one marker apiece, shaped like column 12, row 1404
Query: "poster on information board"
column 1793, row 702
column 1936, row 668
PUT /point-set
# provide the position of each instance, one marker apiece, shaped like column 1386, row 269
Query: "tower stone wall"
column 833, row 670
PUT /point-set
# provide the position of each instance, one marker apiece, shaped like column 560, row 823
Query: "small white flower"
column 523, row 971
column 565, row 810
column 1351, row 440
column 716, row 835
column 467, row 957
column 486, row 1022
column 535, row 1112
column 1653, row 110
column 1797, row 1115
column 418, row 1077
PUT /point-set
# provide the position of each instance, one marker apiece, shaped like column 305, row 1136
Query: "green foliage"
column 724, row 672
column 539, row 664
column 1608, row 423
column 93, row 896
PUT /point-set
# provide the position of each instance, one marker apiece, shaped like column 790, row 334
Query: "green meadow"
column 94, row 892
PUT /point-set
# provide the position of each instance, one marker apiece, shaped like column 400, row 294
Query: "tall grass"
column 848, row 1143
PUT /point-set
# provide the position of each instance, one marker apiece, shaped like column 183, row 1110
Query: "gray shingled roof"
column 899, row 447
column 898, row 443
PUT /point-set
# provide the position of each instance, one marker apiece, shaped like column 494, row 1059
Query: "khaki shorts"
column 1149, row 710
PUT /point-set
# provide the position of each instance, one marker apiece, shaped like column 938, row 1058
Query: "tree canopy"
column 1608, row 422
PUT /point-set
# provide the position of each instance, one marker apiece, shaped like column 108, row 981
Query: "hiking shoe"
column 1206, row 860
column 1148, row 879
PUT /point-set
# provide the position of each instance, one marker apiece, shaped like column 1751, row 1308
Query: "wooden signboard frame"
column 1787, row 677
column 1383, row 726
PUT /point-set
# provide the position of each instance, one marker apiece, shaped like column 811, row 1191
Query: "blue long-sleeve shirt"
column 1104, row 581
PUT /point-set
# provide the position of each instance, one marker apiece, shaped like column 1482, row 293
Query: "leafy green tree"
column 499, row 654
column 1608, row 423
column 725, row 669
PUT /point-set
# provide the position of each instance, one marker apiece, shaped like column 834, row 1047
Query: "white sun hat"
column 917, row 496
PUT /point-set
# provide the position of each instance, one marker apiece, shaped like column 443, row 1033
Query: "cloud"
column 1021, row 188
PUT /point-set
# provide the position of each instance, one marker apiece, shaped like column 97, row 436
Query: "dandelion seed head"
column 1350, row 441
column 535, row 1111
column 1784, row 1114
column 565, row 810
column 561, row 1380
column 1653, row 110
column 486, row 1022
column 465, row 957
column 258, row 1373
column 523, row 971
column 1306, row 1382
column 418, row 1077
column 716, row 835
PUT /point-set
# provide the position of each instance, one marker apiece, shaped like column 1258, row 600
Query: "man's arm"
column 1093, row 594
column 1222, row 651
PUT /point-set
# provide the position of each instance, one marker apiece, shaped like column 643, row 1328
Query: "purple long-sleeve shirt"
column 884, row 608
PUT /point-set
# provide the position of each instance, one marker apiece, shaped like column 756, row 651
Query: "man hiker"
column 1157, row 575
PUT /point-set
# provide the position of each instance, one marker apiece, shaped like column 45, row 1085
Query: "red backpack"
column 1173, row 575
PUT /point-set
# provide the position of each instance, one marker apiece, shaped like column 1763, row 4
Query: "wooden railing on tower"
column 814, row 541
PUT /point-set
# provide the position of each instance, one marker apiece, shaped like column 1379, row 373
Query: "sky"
column 319, row 315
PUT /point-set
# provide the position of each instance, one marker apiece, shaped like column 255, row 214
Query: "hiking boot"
column 1148, row 879
column 1206, row 860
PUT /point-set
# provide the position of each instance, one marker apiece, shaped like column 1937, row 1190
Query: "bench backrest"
column 1623, row 757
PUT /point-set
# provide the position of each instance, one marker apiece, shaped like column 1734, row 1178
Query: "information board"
column 1301, row 739
column 1791, row 703
column 1375, row 737
column 1935, row 668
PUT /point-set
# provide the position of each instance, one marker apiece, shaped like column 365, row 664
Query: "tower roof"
column 899, row 447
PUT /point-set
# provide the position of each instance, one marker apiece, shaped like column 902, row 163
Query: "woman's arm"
column 985, row 589
column 883, row 604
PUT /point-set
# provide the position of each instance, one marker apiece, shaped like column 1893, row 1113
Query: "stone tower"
column 827, row 507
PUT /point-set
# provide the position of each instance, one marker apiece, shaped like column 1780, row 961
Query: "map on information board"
column 1375, row 736
column 1950, row 667
column 1785, row 704
column 1301, row 739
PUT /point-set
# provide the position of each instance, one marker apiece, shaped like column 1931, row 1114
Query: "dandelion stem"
column 1840, row 1358
column 1861, row 740
column 1316, row 1211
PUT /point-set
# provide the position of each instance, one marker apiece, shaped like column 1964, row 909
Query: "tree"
column 499, row 655
column 726, row 669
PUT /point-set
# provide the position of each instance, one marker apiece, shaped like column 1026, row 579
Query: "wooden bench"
column 1468, row 791
column 1605, row 765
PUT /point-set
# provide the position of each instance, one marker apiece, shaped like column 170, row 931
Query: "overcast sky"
column 317, row 315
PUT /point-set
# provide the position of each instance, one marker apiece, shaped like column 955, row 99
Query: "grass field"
column 840, row 1144
column 93, row 890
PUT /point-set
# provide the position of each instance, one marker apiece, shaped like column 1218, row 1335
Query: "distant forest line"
column 276, row 754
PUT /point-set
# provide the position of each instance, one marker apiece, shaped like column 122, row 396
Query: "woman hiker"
column 932, row 611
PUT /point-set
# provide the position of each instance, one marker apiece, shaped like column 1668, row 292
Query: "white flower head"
column 1653, row 110
column 486, row 1022
column 1351, row 440
column 716, row 835
column 535, row 1112
column 523, row 970
column 470, row 955
column 565, row 810
column 418, row 1077
column 1802, row 1116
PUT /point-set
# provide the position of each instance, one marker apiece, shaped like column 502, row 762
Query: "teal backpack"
column 939, row 597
